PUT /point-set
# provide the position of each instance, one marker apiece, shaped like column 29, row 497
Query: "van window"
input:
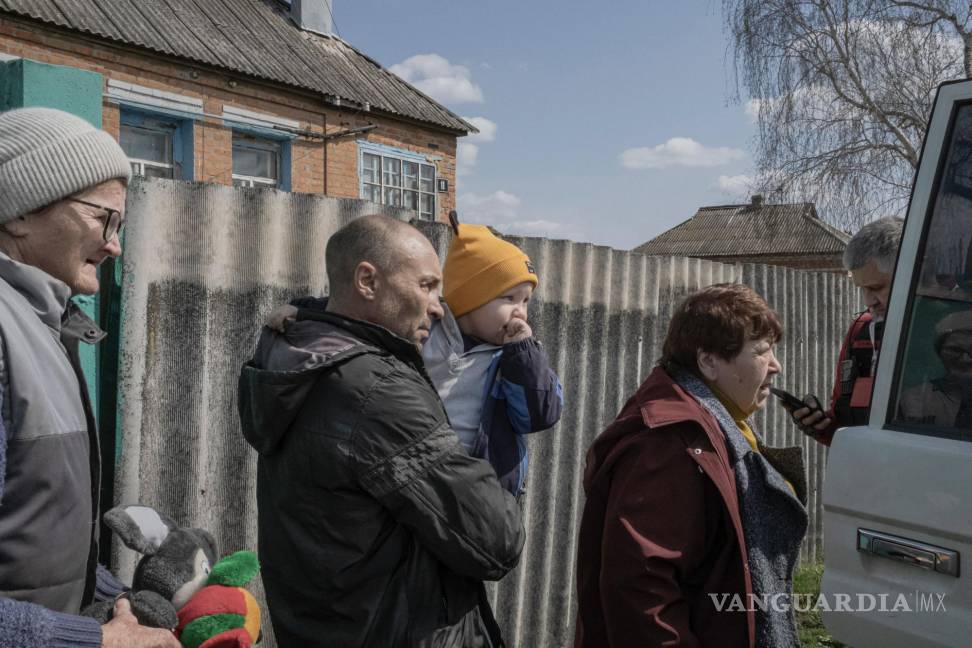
column 934, row 385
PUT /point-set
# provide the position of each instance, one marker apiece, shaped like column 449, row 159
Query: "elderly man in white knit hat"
column 946, row 401
column 62, row 203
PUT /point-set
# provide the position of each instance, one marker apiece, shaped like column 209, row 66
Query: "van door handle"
column 912, row 552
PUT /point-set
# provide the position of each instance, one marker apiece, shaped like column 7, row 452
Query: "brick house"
column 242, row 92
column 789, row 235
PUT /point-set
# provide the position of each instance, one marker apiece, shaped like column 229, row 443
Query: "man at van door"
column 869, row 257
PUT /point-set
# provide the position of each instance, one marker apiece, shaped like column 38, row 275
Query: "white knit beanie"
column 47, row 155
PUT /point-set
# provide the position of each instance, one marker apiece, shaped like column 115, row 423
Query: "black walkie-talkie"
column 789, row 400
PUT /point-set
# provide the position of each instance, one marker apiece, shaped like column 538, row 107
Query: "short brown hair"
column 718, row 319
column 370, row 238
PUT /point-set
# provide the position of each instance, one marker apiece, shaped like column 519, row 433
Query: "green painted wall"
column 25, row 83
column 29, row 83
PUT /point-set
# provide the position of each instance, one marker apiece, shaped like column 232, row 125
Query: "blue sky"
column 608, row 125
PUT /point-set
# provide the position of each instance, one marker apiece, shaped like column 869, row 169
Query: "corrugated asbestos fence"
column 204, row 265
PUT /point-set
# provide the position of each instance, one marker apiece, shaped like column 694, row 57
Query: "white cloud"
column 544, row 228
column 468, row 151
column 815, row 102
column 466, row 156
column 438, row 78
column 679, row 151
column 752, row 109
column 743, row 186
column 487, row 130
column 501, row 210
column 737, row 185
column 497, row 206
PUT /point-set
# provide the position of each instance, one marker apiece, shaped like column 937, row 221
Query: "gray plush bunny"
column 175, row 564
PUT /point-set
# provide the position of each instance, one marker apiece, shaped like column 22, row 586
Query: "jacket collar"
column 371, row 333
column 46, row 295
column 737, row 415
column 76, row 324
column 450, row 330
column 662, row 402
column 447, row 339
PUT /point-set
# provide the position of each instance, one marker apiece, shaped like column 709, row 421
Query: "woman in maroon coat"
column 692, row 526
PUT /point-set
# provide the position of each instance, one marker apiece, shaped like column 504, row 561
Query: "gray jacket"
column 49, row 462
column 460, row 376
column 944, row 402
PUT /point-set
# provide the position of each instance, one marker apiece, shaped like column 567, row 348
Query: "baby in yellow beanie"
column 492, row 375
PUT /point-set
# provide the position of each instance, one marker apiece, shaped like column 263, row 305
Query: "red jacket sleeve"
column 827, row 436
column 654, row 534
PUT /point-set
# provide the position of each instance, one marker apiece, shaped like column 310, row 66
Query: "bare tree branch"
column 936, row 13
column 842, row 90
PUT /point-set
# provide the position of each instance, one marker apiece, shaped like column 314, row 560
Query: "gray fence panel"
column 205, row 265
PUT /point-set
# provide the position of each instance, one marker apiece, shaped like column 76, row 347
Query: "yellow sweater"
column 740, row 420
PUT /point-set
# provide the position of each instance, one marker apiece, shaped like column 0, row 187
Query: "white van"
column 898, row 492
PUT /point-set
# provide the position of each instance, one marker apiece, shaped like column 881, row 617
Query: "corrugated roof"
column 251, row 37
column 749, row 230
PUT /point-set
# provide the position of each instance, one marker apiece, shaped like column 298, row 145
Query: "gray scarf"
column 774, row 520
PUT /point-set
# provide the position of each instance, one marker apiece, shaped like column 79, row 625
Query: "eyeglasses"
column 112, row 218
column 956, row 352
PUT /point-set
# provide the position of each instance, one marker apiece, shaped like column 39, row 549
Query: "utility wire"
column 327, row 3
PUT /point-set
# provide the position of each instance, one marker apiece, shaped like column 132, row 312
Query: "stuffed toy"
column 223, row 614
column 177, row 565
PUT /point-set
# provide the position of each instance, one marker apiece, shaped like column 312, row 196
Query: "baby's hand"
column 282, row 316
column 516, row 330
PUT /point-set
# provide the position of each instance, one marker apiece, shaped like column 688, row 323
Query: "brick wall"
column 316, row 166
column 111, row 119
column 342, row 153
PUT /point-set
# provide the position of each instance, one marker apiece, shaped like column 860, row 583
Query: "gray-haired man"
column 870, row 258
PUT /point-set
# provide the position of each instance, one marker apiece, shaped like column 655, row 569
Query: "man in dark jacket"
column 375, row 527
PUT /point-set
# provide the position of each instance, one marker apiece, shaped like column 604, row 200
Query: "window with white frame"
column 149, row 147
column 256, row 162
column 391, row 180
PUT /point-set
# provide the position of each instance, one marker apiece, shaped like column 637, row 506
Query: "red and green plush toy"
column 175, row 587
column 223, row 614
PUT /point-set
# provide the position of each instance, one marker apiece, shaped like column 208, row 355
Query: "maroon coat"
column 661, row 530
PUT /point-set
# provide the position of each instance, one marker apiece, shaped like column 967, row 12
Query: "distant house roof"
column 251, row 37
column 750, row 230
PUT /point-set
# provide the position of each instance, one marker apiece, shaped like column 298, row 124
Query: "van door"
column 898, row 492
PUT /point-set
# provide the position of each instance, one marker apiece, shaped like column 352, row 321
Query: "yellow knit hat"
column 480, row 267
